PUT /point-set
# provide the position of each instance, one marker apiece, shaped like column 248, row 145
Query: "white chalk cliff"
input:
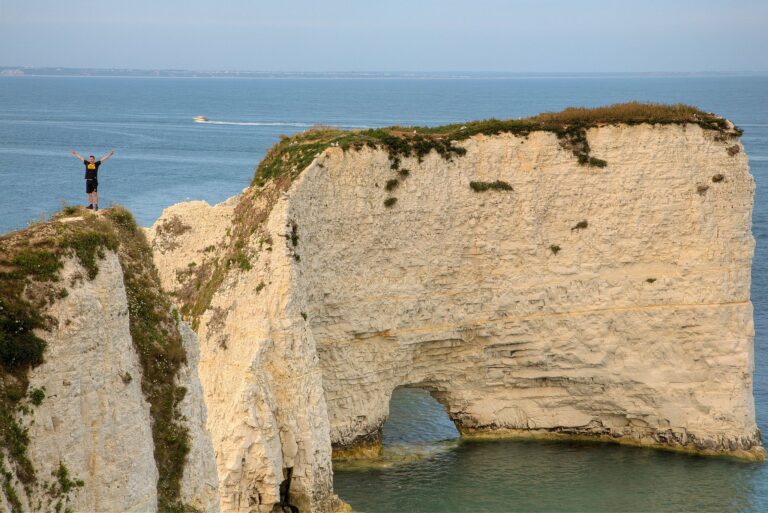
column 90, row 438
column 610, row 302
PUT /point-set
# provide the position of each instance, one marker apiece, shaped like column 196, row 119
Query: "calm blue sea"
column 162, row 157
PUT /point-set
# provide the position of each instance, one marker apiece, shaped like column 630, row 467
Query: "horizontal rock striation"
column 538, row 282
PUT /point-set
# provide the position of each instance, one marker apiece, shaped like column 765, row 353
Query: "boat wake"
column 205, row 121
column 253, row 123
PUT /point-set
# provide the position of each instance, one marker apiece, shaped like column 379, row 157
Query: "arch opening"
column 416, row 418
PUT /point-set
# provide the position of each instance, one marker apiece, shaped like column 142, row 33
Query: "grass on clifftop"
column 293, row 154
column 30, row 281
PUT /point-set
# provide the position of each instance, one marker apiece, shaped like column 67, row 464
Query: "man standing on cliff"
column 91, row 177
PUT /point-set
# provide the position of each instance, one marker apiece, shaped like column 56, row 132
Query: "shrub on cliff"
column 498, row 185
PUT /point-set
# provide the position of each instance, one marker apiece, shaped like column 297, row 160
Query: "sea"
column 163, row 157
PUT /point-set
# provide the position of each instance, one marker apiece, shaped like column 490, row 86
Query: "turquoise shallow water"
column 536, row 476
column 163, row 157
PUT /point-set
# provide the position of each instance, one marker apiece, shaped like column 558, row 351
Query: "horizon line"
column 6, row 70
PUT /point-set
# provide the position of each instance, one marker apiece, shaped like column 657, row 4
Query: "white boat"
column 200, row 119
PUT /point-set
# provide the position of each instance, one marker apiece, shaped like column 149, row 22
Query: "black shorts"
column 91, row 185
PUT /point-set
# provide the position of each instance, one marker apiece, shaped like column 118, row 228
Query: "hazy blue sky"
column 388, row 35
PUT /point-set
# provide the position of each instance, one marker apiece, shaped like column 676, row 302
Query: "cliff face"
column 530, row 293
column 85, row 437
column 610, row 301
column 259, row 365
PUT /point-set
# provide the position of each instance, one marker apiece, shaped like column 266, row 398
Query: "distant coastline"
column 21, row 71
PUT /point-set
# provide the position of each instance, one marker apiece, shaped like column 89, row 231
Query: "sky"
column 388, row 35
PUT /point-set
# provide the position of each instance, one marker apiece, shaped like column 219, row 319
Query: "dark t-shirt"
column 91, row 169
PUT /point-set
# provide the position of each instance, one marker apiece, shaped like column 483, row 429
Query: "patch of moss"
column 555, row 249
column 36, row 396
column 240, row 260
column 173, row 226
column 8, row 490
column 498, row 185
column 580, row 225
column 392, row 184
column 389, row 202
column 65, row 483
column 89, row 246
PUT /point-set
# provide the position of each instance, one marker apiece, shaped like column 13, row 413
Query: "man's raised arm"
column 76, row 154
column 105, row 157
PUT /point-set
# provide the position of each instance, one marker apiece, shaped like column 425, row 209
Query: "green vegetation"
column 204, row 280
column 294, row 235
column 8, row 490
column 718, row 178
column 240, row 259
column 733, row 150
column 555, row 249
column 30, row 265
column 498, row 185
column 580, row 225
column 291, row 155
column 702, row 189
column 173, row 226
column 392, row 184
column 390, row 202
column 65, row 483
column 158, row 343
column 650, row 280
column 36, row 396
